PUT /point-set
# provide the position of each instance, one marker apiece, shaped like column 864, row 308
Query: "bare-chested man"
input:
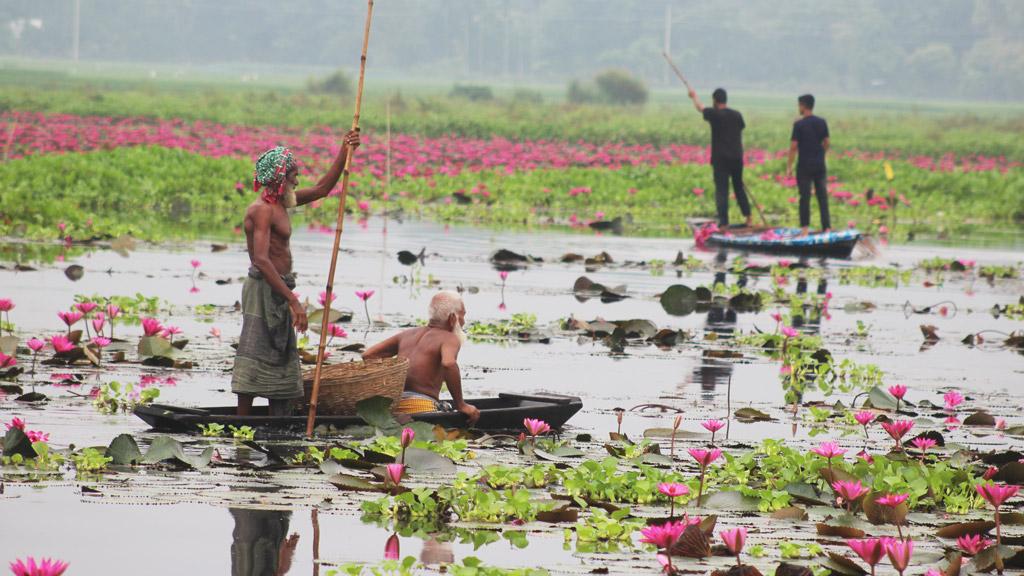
column 267, row 363
column 433, row 353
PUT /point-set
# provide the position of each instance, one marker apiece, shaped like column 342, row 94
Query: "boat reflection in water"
column 260, row 542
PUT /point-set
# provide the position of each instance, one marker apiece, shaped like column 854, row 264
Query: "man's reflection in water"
column 436, row 552
column 809, row 321
column 721, row 319
column 260, row 547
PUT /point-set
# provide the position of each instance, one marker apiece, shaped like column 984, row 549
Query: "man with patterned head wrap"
column 267, row 362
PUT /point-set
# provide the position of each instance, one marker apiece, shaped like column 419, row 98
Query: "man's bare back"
column 423, row 347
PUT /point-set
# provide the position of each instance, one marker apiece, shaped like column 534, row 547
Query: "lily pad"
column 316, row 317
column 964, row 528
column 790, row 513
column 376, row 412
column 74, row 272
column 167, row 449
column 692, row 543
column 427, row 462
column 838, row 531
column 843, row 565
column 879, row 514
column 751, row 415
column 124, row 451
column 1011, row 473
column 806, row 494
column 637, row 328
column 150, row 346
column 355, row 483
column 16, row 442
column 678, row 300
column 563, row 514
column 980, row 418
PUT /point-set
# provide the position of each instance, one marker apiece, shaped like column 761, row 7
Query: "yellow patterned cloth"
column 415, row 405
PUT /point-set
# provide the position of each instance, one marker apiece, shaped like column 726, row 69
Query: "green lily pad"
column 751, row 415
column 167, row 449
column 150, row 346
column 679, row 300
column 16, row 442
column 355, row 483
column 124, row 451
column 376, row 412
column 425, row 461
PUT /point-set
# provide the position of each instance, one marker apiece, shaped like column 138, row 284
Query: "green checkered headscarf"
column 271, row 168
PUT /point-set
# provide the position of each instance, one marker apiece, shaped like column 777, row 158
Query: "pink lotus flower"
column 335, row 331
column 37, row 436
column 364, row 206
column 6, row 305
column 113, row 311
column 892, row 500
column 953, row 399
column 323, row 298
column 789, row 332
column 705, row 457
column 973, row 544
column 7, row 361
column 408, row 434
column 391, row 548
column 395, row 472
column 61, row 344
column 364, row 295
column 35, row 344
column 866, row 456
column 923, row 443
column 16, row 423
column 995, row 494
column 195, row 263
column 673, row 489
column 151, row 326
column 536, row 427
column 899, row 552
column 45, row 567
column 850, row 491
column 777, row 317
column 86, row 307
column 1000, row 424
column 990, row 472
column 662, row 535
column 215, row 332
column 713, row 425
column 785, row 370
column 69, row 318
column 784, row 263
column 734, row 540
column 98, row 322
column 870, row 550
column 698, row 192
column 864, row 417
column 898, row 429
column 503, row 275
column 101, row 342
column 898, row 390
column 170, row 332
column 829, row 450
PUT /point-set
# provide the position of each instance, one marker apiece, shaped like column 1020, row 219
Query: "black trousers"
column 725, row 169
column 804, row 179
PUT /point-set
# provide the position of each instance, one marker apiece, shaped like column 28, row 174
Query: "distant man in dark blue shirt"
column 726, row 153
column 810, row 139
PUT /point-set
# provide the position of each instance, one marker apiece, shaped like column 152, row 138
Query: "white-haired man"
column 433, row 353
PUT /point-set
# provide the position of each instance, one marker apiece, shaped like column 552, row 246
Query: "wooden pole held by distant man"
column 314, row 395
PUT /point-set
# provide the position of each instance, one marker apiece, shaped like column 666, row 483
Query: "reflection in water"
column 436, row 552
column 711, row 372
column 259, row 546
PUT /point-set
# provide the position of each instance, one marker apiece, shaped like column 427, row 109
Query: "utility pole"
column 74, row 31
column 667, row 48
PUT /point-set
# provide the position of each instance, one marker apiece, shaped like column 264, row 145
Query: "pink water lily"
column 870, row 550
column 663, row 536
column 35, row 344
column 892, row 500
column 898, row 391
column 16, row 423
column 335, row 331
column 850, row 491
column 6, row 305
column 151, row 327
column 996, row 495
column 69, row 317
column 953, row 399
column 829, row 450
column 7, row 361
column 86, row 307
column 789, row 332
column 897, row 430
column 45, row 567
column 864, row 417
column 704, row 459
column 408, row 434
column 101, row 342
column 195, row 263
column 536, row 427
column 364, row 295
column 734, row 540
column 98, row 322
column 391, row 548
column 395, row 472
column 673, row 490
column 923, row 443
column 899, row 552
column 37, row 436
column 973, row 544
column 503, row 275
column 61, row 344
column 713, row 426
column 323, row 298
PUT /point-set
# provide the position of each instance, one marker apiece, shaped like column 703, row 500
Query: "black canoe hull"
column 506, row 412
column 840, row 249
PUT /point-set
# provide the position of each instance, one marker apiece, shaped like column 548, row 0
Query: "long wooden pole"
column 314, row 396
column 676, row 70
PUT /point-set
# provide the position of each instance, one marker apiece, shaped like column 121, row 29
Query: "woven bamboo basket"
column 342, row 385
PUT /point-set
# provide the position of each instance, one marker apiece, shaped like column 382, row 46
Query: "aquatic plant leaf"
column 963, row 528
column 843, row 565
column 667, row 337
column 637, row 328
column 376, row 412
column 150, row 346
column 751, row 415
column 9, row 345
column 667, row 433
column 16, row 442
column 1011, row 473
column 881, row 399
column 31, row 396
column 349, row 482
column 316, row 318
column 124, row 451
column 787, row 569
column 692, row 543
column 805, row 493
column 790, row 513
column 930, row 333
column 656, row 460
column 167, row 449
column 987, row 559
column 838, row 531
column 956, row 561
column 980, row 418
column 678, row 300
column 731, row 500
column 427, row 462
column 563, row 514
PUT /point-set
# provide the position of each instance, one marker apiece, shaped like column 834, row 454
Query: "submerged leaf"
column 124, row 451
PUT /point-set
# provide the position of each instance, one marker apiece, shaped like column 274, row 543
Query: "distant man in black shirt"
column 726, row 153
column 810, row 139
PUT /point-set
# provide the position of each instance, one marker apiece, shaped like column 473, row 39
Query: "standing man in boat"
column 433, row 353
column 811, row 140
column 267, row 362
column 726, row 153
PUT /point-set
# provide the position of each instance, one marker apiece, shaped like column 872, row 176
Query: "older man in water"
column 433, row 353
column 267, row 363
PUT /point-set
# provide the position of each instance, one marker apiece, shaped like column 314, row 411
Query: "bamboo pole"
column 314, row 396
column 676, row 70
